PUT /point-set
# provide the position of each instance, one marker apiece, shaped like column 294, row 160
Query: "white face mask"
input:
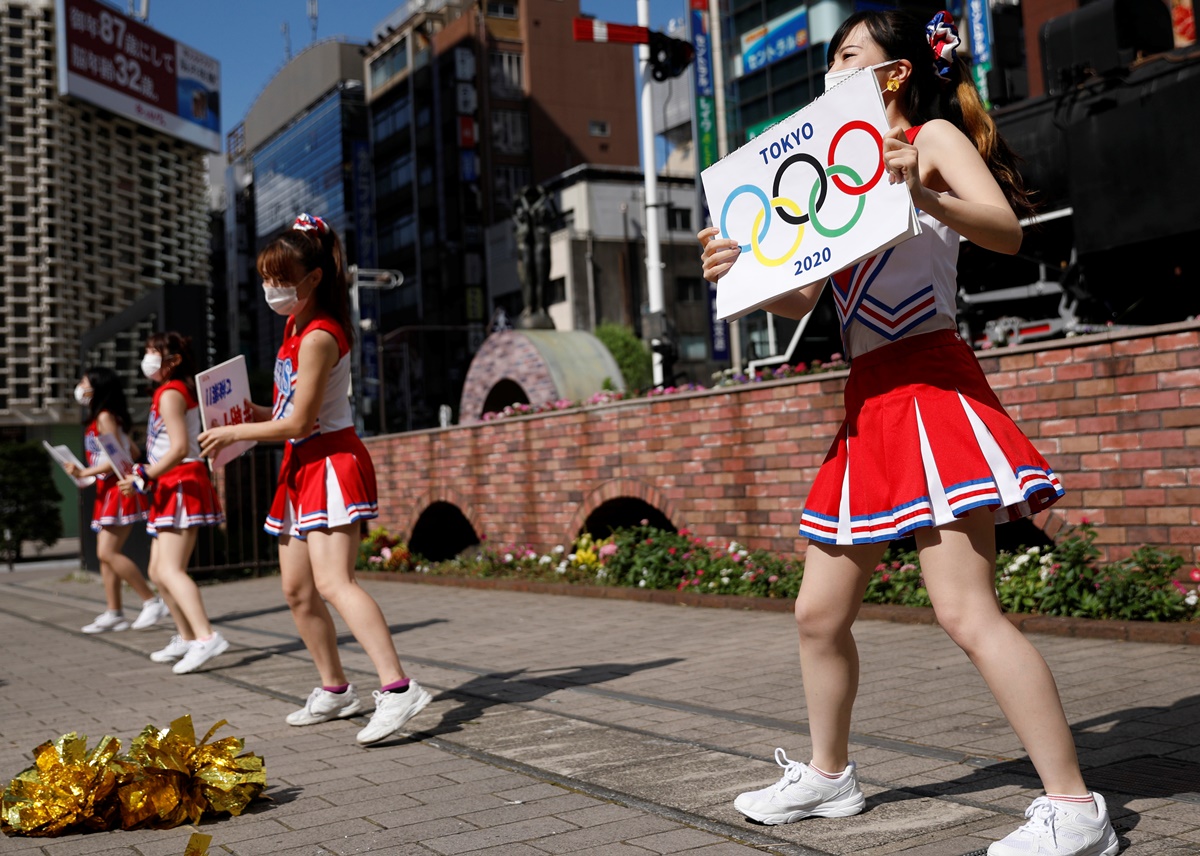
column 151, row 363
column 83, row 395
column 833, row 78
column 283, row 300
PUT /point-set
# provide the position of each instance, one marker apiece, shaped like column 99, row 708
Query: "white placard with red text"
column 808, row 197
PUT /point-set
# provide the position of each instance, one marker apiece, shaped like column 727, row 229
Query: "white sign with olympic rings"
column 808, row 198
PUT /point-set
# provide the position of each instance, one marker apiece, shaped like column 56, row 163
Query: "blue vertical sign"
column 979, row 20
column 718, row 331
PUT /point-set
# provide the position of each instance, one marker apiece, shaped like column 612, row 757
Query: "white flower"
column 1192, row 599
column 570, row 557
column 1047, row 559
column 561, row 569
column 559, row 549
column 508, row 557
column 645, row 572
column 1019, row 561
column 743, row 553
column 734, row 546
column 724, row 581
column 1044, row 574
column 601, row 574
column 642, row 584
column 1033, row 551
column 713, row 584
column 545, row 560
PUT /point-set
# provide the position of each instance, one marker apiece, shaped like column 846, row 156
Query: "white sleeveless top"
column 903, row 291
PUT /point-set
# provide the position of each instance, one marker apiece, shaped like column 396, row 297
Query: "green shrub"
column 1065, row 580
column 28, row 499
column 631, row 354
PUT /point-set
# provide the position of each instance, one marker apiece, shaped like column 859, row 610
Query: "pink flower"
column 607, row 550
column 1183, row 590
column 685, row 532
column 886, row 577
column 1083, row 521
column 1195, row 575
column 671, row 550
column 908, row 566
column 644, row 522
column 880, row 567
column 695, row 582
column 699, row 573
column 375, row 560
column 774, row 578
column 649, row 540
column 736, row 558
column 386, row 552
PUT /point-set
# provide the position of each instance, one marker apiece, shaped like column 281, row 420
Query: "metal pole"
column 654, row 282
column 718, row 54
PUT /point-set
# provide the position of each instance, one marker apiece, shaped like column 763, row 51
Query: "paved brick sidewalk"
column 568, row 725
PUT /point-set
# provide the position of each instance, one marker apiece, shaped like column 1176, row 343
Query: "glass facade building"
column 305, row 166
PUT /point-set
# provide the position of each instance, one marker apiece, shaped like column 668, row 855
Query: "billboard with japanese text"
column 123, row 66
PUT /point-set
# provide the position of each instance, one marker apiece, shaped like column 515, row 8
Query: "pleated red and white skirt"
column 925, row 441
column 113, row 508
column 184, row 497
column 325, row 482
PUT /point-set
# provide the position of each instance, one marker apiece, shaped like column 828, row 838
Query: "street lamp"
column 382, row 279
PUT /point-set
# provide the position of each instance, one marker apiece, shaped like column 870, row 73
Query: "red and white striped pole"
column 591, row 30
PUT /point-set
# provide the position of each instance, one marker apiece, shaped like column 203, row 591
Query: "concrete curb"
column 1047, row 625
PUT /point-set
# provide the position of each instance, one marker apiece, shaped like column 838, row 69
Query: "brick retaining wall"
column 1117, row 415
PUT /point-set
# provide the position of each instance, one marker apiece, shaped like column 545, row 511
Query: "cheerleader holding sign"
column 926, row 447
column 327, row 482
column 113, row 514
column 181, row 498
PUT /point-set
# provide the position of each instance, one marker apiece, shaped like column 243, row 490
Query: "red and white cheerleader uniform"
column 327, row 478
column 111, row 508
column 184, row 495
column 925, row 438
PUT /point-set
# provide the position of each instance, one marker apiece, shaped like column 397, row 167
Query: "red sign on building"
column 124, row 66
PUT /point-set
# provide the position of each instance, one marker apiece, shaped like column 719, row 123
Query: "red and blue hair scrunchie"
column 944, row 41
column 310, row 223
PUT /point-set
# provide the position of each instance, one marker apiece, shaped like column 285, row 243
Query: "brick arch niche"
column 535, row 367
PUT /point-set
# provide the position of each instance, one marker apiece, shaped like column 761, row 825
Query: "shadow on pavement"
column 253, row 655
column 518, row 687
column 271, row 798
column 1137, row 775
column 253, row 613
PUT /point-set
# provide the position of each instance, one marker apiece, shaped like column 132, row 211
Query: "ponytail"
column 961, row 105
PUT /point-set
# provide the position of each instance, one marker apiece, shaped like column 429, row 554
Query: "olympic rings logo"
column 789, row 210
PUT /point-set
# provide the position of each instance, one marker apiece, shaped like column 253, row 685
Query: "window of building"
column 392, row 119
column 598, row 128
column 690, row 289
column 393, row 61
column 679, row 219
column 502, row 10
column 507, row 74
column 558, row 291
column 510, row 132
column 693, row 346
column 507, row 180
column 394, row 175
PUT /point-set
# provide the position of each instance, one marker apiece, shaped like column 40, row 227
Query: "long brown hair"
column 953, row 97
column 301, row 251
column 176, row 344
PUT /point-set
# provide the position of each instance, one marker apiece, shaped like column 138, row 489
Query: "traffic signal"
column 669, row 57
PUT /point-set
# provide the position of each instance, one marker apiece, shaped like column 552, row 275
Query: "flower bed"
column 1065, row 580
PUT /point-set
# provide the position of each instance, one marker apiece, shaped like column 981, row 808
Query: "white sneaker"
column 392, row 710
column 199, row 653
column 803, row 793
column 323, row 706
column 108, row 621
column 176, row 648
column 1059, row 829
column 153, row 611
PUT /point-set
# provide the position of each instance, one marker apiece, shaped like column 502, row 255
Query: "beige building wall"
column 95, row 211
